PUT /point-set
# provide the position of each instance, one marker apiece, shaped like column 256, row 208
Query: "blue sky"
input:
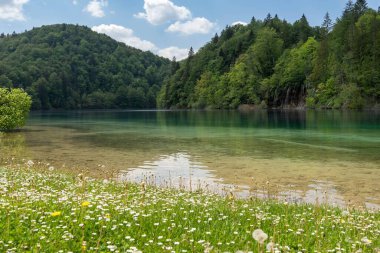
column 165, row 27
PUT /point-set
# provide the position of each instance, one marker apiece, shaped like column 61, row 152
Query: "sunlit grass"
column 45, row 211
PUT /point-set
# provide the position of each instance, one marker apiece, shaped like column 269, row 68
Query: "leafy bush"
column 326, row 93
column 350, row 97
column 310, row 102
column 14, row 108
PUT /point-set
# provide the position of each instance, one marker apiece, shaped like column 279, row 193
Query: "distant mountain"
column 71, row 67
column 273, row 63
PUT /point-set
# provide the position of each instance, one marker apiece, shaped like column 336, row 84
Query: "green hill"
column 72, row 67
column 267, row 63
column 273, row 63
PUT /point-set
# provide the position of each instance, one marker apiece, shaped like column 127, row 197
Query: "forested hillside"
column 71, row 67
column 273, row 63
column 267, row 63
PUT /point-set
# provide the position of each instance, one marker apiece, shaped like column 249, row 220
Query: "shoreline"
column 83, row 214
column 241, row 108
column 318, row 192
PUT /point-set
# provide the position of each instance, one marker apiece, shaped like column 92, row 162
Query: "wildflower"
column 54, row 214
column 366, row 241
column 259, row 236
column 84, row 247
column 85, row 203
column 112, row 248
column 29, row 163
column 270, row 246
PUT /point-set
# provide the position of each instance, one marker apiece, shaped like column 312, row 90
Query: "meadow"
column 42, row 210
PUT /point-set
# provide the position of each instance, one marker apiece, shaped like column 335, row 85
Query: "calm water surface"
column 312, row 156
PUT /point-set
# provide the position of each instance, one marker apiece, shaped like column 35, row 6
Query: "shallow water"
column 312, row 156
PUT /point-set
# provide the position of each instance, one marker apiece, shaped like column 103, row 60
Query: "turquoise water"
column 330, row 155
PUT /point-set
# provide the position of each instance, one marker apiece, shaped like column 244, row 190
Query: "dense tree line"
column 72, row 67
column 267, row 63
column 272, row 63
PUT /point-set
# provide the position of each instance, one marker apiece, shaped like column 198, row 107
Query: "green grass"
column 44, row 211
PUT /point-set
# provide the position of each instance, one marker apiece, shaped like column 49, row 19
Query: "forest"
column 72, row 67
column 272, row 63
column 268, row 63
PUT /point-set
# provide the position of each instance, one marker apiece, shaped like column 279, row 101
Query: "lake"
column 310, row 156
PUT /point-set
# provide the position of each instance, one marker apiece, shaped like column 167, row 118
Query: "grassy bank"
column 44, row 211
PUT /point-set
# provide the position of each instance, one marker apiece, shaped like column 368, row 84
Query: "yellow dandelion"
column 108, row 216
column 85, row 203
column 84, row 247
column 54, row 214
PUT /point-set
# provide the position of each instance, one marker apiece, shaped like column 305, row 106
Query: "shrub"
column 310, row 102
column 326, row 93
column 14, row 108
column 351, row 97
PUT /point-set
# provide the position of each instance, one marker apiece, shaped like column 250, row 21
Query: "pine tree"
column 327, row 23
column 268, row 19
column 174, row 65
column 303, row 29
column 360, row 7
column 349, row 8
column 189, row 58
column 320, row 68
column 215, row 39
column 191, row 53
column 227, row 33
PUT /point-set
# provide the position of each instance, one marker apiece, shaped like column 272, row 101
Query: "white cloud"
column 161, row 11
column 239, row 23
column 194, row 26
column 75, row 2
column 170, row 52
column 11, row 10
column 95, row 8
column 125, row 35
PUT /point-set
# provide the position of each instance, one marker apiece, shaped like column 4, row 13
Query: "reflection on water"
column 169, row 167
column 319, row 192
column 180, row 171
column 175, row 170
column 308, row 155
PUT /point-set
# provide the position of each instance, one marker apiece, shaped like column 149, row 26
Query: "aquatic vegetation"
column 44, row 211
